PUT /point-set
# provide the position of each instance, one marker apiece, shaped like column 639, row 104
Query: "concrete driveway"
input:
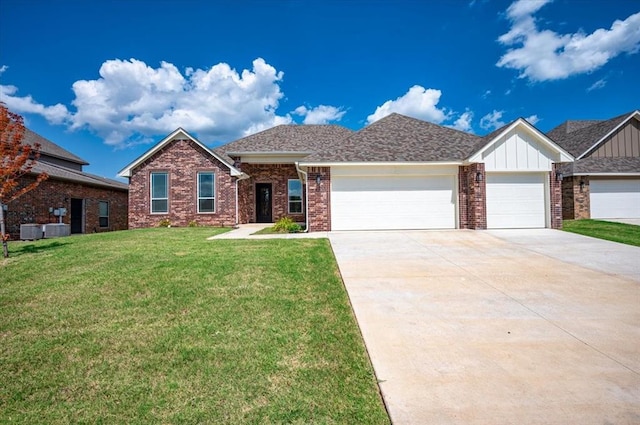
column 478, row 327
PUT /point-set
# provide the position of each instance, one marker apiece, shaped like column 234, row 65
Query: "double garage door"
column 615, row 198
column 400, row 202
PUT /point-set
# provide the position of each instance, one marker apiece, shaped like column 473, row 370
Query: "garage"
column 615, row 198
column 516, row 200
column 393, row 199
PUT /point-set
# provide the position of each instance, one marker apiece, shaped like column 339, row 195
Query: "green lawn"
column 163, row 326
column 617, row 232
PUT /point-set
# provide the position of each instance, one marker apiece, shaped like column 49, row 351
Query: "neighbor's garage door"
column 393, row 202
column 615, row 198
column 516, row 200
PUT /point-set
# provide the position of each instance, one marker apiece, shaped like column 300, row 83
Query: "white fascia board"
column 126, row 171
column 635, row 114
column 269, row 153
column 608, row 174
column 564, row 155
column 375, row 164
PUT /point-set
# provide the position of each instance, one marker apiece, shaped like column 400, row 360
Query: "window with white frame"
column 103, row 214
column 295, row 196
column 159, row 192
column 206, row 192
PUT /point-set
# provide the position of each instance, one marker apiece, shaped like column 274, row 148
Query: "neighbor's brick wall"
column 182, row 159
column 472, row 197
column 33, row 206
column 575, row 201
column 319, row 199
column 276, row 174
column 555, row 191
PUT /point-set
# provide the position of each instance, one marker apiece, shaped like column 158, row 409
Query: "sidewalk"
column 245, row 231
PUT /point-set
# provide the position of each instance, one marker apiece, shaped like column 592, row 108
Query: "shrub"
column 287, row 225
column 165, row 222
column 193, row 223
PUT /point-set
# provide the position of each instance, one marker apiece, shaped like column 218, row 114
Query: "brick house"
column 93, row 203
column 397, row 173
column 604, row 180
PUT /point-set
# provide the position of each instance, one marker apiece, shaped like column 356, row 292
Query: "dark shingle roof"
column 57, row 172
column 594, row 165
column 49, row 148
column 577, row 139
column 398, row 138
column 289, row 138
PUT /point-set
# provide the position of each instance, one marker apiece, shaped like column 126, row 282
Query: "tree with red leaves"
column 16, row 160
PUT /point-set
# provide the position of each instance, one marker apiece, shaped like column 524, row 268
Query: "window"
column 159, row 193
column 295, row 197
column 103, row 214
column 206, row 192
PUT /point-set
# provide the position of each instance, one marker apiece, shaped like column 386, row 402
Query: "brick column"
column 319, row 199
column 472, row 197
column 555, row 189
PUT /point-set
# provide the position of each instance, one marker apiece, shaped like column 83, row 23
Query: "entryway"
column 264, row 203
column 77, row 215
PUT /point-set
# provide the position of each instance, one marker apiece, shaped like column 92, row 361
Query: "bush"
column 165, row 222
column 193, row 223
column 287, row 225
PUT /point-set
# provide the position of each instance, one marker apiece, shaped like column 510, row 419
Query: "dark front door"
column 77, row 212
column 263, row 203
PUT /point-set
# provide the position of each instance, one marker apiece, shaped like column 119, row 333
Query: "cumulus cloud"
column 492, row 120
column 597, row 85
column 463, row 123
column 533, row 119
column 542, row 55
column 418, row 102
column 132, row 100
column 322, row 114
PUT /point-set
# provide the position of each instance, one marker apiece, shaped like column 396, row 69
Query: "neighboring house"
column 397, row 173
column 604, row 180
column 93, row 204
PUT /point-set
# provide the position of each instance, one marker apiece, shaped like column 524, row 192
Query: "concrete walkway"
column 473, row 327
column 246, row 231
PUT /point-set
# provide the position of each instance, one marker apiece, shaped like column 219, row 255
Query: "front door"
column 263, row 203
column 77, row 215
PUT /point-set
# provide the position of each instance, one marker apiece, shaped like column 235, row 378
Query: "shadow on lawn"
column 22, row 248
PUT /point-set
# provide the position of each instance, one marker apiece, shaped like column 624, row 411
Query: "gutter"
column 306, row 193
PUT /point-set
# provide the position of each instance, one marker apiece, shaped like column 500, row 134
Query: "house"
column 92, row 203
column 397, row 173
column 604, row 180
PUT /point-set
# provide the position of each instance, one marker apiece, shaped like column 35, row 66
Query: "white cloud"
column 597, row 85
column 463, row 123
column 322, row 114
column 486, row 94
column 3, row 68
column 492, row 120
column 418, row 102
column 542, row 55
column 533, row 119
column 132, row 100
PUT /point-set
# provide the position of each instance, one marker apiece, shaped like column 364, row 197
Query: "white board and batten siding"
column 393, row 197
column 615, row 198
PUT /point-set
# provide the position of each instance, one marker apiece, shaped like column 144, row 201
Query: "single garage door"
column 516, row 200
column 615, row 198
column 393, row 202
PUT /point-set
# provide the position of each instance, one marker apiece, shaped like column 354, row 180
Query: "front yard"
column 163, row 326
column 618, row 232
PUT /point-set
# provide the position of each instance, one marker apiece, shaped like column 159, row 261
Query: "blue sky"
column 106, row 79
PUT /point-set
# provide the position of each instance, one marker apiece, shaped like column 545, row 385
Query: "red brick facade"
column 182, row 160
column 575, row 198
column 278, row 176
column 33, row 207
column 555, row 190
column 472, row 191
column 319, row 199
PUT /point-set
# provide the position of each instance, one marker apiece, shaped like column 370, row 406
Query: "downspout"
column 306, row 201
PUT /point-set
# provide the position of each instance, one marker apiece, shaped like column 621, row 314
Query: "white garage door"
column 516, row 200
column 393, row 202
column 615, row 198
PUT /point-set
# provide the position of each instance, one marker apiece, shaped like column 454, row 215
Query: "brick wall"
column 472, row 197
column 275, row 174
column 182, row 159
column 33, row 206
column 555, row 190
column 575, row 199
column 319, row 199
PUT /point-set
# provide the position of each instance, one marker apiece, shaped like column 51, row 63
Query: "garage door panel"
column 615, row 198
column 392, row 202
column 516, row 200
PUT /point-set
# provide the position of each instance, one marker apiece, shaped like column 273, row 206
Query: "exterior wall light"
column 581, row 185
column 559, row 176
column 318, row 179
column 479, row 177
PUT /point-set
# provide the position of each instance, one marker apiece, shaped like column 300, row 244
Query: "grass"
column 617, row 232
column 163, row 326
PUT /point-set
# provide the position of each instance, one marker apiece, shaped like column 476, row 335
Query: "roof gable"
column 177, row 134
column 47, row 147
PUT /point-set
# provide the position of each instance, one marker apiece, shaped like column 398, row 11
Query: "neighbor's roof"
column 57, row 172
column 579, row 137
column 289, row 138
column 603, row 165
column 47, row 147
column 398, row 138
